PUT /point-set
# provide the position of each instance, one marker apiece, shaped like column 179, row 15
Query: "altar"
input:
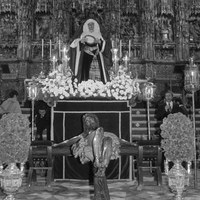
column 66, row 122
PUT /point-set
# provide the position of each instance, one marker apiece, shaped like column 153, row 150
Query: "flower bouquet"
column 122, row 87
column 15, row 138
column 57, row 86
column 91, row 88
column 178, row 138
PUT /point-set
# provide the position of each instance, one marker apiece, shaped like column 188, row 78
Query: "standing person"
column 90, row 48
column 168, row 106
column 11, row 105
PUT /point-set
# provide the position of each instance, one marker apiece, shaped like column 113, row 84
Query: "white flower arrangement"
column 57, row 86
column 92, row 88
column 122, row 87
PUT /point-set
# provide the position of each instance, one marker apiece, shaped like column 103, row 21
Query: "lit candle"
column 82, row 7
column 120, row 48
column 115, row 60
column 189, row 167
column 166, row 167
column 112, row 43
column 54, row 61
column 50, row 49
column 59, row 48
column 66, row 61
column 115, row 51
column 42, row 48
column 149, row 92
column 64, row 51
column 129, row 48
column 126, row 61
column 22, row 49
column 193, row 80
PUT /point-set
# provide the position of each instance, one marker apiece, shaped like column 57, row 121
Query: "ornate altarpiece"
column 163, row 35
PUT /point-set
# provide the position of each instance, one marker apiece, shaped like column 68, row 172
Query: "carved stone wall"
column 163, row 34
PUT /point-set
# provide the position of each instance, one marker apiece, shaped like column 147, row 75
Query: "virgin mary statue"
column 90, row 53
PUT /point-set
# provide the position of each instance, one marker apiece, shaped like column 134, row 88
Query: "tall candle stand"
column 148, row 94
column 32, row 94
column 191, row 84
column 42, row 62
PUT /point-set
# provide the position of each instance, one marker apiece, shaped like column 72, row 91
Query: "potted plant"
column 15, row 141
column 178, row 145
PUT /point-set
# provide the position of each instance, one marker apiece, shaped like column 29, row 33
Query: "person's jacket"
column 161, row 113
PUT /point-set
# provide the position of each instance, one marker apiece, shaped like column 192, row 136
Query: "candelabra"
column 148, row 94
column 120, row 66
column 191, row 84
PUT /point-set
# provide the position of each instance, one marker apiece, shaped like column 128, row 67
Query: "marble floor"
column 118, row 189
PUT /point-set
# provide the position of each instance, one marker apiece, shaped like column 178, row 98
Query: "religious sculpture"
column 96, row 146
column 93, row 144
column 90, row 48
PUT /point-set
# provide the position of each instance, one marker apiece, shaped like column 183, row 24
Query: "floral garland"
column 15, row 138
column 178, row 139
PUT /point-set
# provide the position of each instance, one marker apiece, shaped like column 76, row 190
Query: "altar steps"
column 140, row 124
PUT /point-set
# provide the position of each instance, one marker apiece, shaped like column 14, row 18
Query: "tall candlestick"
column 50, row 49
column 54, row 61
column 126, row 59
column 64, row 51
column 59, row 48
column 120, row 48
column 42, row 48
column 22, row 49
column 166, row 166
column 193, row 78
column 115, row 58
column 129, row 48
column 112, row 43
column 189, row 167
column 115, row 67
column 82, row 7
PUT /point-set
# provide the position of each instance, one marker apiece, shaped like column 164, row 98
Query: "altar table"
column 66, row 122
